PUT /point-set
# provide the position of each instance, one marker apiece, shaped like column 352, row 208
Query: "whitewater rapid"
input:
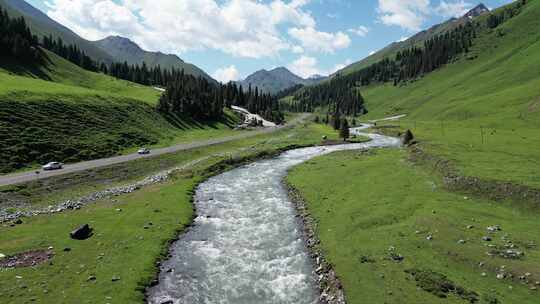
column 246, row 243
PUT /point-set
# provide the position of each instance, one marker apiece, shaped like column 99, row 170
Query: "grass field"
column 484, row 113
column 79, row 115
column 121, row 247
column 365, row 204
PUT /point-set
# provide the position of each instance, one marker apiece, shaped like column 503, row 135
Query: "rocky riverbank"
column 331, row 290
column 15, row 210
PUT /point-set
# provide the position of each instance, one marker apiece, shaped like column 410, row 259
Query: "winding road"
column 28, row 176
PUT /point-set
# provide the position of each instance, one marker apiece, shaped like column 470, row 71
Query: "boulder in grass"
column 81, row 233
column 408, row 138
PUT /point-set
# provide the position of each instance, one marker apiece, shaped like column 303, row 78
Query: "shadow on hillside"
column 185, row 122
column 21, row 67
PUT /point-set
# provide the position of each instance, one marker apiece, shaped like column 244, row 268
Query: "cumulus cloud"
column 453, row 9
column 95, row 20
column 411, row 14
column 242, row 28
column 226, row 74
column 408, row 14
column 307, row 66
column 361, row 31
column 314, row 40
column 297, row 49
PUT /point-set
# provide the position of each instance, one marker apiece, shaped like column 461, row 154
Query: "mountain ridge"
column 101, row 50
column 124, row 49
column 415, row 40
column 277, row 79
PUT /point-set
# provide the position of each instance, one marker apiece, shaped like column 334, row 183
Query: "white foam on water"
column 246, row 246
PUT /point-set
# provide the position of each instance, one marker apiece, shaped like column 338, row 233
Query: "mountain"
column 277, row 80
column 415, row 40
column 480, row 9
column 107, row 50
column 42, row 25
column 122, row 49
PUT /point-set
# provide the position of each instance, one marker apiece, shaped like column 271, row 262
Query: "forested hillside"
column 57, row 109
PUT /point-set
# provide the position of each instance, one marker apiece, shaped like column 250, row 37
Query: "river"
column 246, row 243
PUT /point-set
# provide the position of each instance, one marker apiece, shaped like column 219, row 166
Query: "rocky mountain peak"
column 478, row 10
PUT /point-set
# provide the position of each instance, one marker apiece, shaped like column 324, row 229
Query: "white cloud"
column 226, row 74
column 361, row 31
column 307, row 66
column 453, row 9
column 403, row 38
column 304, row 66
column 411, row 14
column 371, row 53
column 95, row 20
column 314, row 40
column 243, row 28
column 408, row 14
column 297, row 49
column 339, row 66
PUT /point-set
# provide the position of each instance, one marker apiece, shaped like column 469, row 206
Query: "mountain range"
column 108, row 50
column 122, row 49
column 277, row 79
column 415, row 40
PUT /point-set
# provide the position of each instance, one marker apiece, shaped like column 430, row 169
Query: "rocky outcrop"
column 82, row 233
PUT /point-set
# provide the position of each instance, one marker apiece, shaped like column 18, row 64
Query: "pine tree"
column 344, row 131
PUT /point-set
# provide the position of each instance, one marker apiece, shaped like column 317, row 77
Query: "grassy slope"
column 498, row 92
column 117, row 234
column 365, row 204
column 80, row 115
column 65, row 78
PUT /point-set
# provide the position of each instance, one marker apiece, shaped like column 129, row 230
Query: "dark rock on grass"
column 26, row 259
column 115, row 278
column 67, row 249
column 396, row 257
column 91, row 278
column 81, row 233
column 439, row 285
column 408, row 138
column 366, row 259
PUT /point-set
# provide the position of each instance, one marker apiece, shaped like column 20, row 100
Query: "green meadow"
column 371, row 207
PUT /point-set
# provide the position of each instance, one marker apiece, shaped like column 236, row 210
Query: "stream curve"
column 246, row 243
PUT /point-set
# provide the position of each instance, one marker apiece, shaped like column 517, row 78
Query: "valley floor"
column 395, row 234
column 131, row 231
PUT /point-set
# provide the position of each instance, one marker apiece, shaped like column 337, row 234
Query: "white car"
column 143, row 151
column 53, row 166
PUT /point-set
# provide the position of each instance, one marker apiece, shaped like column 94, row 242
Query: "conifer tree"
column 344, row 131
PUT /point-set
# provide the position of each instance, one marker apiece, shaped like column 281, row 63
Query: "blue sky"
column 230, row 39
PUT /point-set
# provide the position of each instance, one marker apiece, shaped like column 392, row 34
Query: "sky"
column 231, row 39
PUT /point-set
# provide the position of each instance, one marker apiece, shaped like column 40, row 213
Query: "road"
column 23, row 177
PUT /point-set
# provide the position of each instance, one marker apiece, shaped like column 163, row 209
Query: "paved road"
column 16, row 178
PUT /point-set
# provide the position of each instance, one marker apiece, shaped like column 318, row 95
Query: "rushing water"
column 246, row 244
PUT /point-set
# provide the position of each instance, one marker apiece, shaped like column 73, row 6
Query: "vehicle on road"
column 53, row 166
column 143, row 151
